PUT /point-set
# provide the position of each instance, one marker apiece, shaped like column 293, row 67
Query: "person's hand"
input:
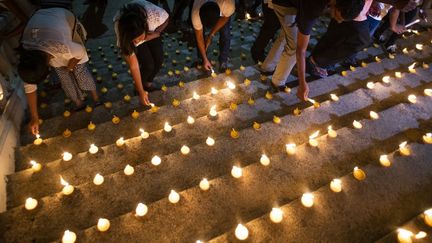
column 398, row 29
column 208, row 41
column 207, row 65
column 34, row 126
column 303, row 91
column 144, row 98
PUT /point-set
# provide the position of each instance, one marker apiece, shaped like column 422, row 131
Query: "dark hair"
column 131, row 24
column 350, row 9
column 33, row 66
column 209, row 14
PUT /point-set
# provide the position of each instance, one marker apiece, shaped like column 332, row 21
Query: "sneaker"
column 280, row 88
column 314, row 70
column 391, row 49
column 263, row 71
column 223, row 67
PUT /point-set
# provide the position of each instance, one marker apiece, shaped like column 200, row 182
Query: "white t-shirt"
column 50, row 30
column 156, row 16
column 227, row 8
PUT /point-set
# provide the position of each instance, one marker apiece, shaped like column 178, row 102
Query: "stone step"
column 23, row 183
column 78, row 120
column 232, row 199
column 107, row 133
column 411, row 229
column 54, row 204
column 363, row 212
column 56, row 98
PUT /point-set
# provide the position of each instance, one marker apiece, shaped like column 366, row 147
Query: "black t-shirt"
column 307, row 12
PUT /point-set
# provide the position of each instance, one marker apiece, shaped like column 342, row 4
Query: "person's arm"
column 156, row 34
column 32, row 103
column 199, row 35
column 219, row 25
column 136, row 76
column 302, row 44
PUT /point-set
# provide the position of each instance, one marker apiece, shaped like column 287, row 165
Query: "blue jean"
column 373, row 25
column 224, row 42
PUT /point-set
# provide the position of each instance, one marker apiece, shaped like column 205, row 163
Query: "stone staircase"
column 364, row 211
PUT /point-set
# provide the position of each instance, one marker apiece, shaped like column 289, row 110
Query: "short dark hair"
column 131, row 24
column 350, row 9
column 209, row 14
column 33, row 66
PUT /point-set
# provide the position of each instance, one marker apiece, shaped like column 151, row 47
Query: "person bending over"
column 138, row 27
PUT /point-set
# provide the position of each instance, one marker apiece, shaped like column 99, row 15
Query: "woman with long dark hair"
column 138, row 26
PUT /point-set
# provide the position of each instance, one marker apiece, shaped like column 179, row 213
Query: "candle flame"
column 63, row 182
column 231, row 85
column 37, row 136
column 403, row 145
column 412, row 66
column 420, row 235
column 32, row 162
column 314, row 135
column 141, row 130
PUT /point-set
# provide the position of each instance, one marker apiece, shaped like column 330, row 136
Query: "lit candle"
column 425, row 66
column 412, row 98
column 213, row 111
column 315, row 104
column 236, row 172
column 156, row 160
column 174, row 197
column 67, row 156
column 231, row 85
column 67, row 189
column 167, row 127
column 359, row 174
column 120, row 142
column 185, row 150
column 195, row 96
column 98, row 179
column 403, row 149
column 153, row 108
column 213, row 91
column 276, row 119
column 204, row 184
column 297, row 111
column 36, row 167
column 428, row 92
column 307, row 200
column 331, row 133
column 190, row 120
column 428, row 217
column 264, row 160
column 377, row 59
column 256, row 126
column 384, row 160
column 370, row 85
column 357, row 125
column 411, row 68
column 69, row 237
column 248, row 16
column 38, row 140
column 91, row 126
column 290, row 148
column 247, row 82
column 336, row 185
column 386, row 79
column 241, row 232
column 373, row 115
column 334, row 97
column 276, row 215
column 268, row 95
column 135, row 114
column 103, row 225
column 234, row 133
column 312, row 139
column 405, row 51
column 210, row 141
column 129, row 170
column 30, row 203
column 404, row 236
column 144, row 134
column 419, row 47
column 251, row 101
column 398, row 74
column 141, row 210
column 420, row 235
column 427, row 138
column 93, row 149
